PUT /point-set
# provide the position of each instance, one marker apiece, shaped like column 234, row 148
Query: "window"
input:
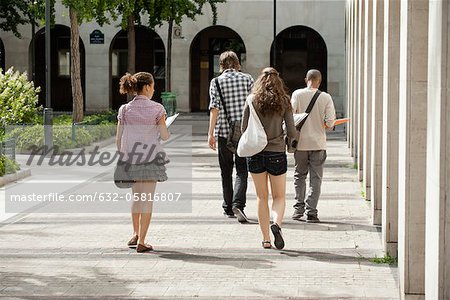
column 119, row 62
column 63, row 62
column 159, row 70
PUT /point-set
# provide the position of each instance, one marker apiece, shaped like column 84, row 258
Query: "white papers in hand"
column 297, row 119
column 171, row 119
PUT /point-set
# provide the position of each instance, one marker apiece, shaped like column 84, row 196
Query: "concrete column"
column 361, row 84
column 354, row 121
column 377, row 110
column 412, row 146
column 390, row 126
column 349, row 50
column 367, row 98
column 437, row 252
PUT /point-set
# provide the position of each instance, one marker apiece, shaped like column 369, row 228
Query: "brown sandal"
column 264, row 244
column 133, row 241
column 144, row 248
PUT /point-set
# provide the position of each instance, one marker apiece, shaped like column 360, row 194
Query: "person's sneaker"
column 312, row 219
column 242, row 218
column 297, row 215
column 229, row 215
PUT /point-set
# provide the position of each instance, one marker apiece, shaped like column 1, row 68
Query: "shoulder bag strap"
column 216, row 80
column 308, row 109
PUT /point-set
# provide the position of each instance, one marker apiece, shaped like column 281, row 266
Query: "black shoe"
column 242, row 218
column 229, row 215
column 279, row 241
column 297, row 215
column 312, row 219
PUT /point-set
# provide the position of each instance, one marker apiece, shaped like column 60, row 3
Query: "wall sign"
column 177, row 32
column 97, row 37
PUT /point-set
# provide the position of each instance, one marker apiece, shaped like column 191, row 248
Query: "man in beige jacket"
column 311, row 151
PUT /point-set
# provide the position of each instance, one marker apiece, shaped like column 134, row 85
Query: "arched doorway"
column 60, row 67
column 2, row 55
column 300, row 48
column 206, row 48
column 150, row 57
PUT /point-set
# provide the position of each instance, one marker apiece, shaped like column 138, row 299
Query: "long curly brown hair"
column 270, row 93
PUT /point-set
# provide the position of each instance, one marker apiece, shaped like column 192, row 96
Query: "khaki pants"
column 312, row 162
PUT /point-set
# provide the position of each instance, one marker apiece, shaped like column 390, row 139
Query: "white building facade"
column 310, row 34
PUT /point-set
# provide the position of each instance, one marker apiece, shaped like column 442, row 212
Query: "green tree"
column 14, row 13
column 173, row 12
column 79, row 12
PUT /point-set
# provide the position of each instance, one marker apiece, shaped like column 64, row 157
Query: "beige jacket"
column 313, row 135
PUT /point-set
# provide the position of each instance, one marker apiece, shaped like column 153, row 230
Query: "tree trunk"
column 131, row 45
column 75, row 76
column 169, row 57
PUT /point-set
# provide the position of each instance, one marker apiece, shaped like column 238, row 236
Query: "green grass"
column 387, row 259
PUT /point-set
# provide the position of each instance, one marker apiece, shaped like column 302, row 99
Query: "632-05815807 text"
column 100, row 197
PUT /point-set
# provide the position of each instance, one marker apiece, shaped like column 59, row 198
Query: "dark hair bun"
column 128, row 84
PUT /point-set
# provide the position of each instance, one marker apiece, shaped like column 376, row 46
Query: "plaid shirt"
column 235, row 87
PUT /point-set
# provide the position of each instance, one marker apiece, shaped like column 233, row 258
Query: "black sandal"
column 279, row 241
column 265, row 246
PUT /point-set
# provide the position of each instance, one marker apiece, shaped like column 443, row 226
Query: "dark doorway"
column 206, row 48
column 2, row 56
column 299, row 49
column 150, row 57
column 60, row 67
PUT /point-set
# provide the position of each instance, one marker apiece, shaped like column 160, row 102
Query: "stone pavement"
column 202, row 255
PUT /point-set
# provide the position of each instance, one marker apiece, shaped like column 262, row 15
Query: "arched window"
column 61, row 87
column 206, row 48
column 299, row 49
column 150, row 57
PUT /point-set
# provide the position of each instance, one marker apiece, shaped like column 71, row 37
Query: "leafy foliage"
column 65, row 136
column 18, row 99
column 7, row 166
column 387, row 259
column 14, row 13
column 88, row 10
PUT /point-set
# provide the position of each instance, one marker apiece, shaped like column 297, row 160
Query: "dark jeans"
column 237, row 197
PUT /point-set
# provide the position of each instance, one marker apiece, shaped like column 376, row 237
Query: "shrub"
column 7, row 166
column 62, row 137
column 18, row 99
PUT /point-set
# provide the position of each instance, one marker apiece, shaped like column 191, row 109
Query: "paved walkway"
column 202, row 255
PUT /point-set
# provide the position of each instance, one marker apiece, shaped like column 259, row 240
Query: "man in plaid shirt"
column 235, row 87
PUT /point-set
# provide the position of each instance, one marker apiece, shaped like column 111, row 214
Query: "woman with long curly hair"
column 272, row 104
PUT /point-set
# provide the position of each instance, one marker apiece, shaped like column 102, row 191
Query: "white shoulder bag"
column 254, row 138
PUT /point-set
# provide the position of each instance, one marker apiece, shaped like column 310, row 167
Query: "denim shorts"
column 274, row 163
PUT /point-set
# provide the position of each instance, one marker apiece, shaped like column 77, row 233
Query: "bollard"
column 48, row 127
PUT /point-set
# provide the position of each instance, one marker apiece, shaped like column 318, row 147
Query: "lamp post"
column 48, row 112
column 33, row 41
column 274, row 52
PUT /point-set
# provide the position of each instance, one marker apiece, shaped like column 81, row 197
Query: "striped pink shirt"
column 140, row 137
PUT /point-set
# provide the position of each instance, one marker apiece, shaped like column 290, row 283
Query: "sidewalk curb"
column 10, row 178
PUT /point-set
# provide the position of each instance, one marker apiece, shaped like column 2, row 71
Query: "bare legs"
column 262, row 198
column 278, row 187
column 142, row 208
